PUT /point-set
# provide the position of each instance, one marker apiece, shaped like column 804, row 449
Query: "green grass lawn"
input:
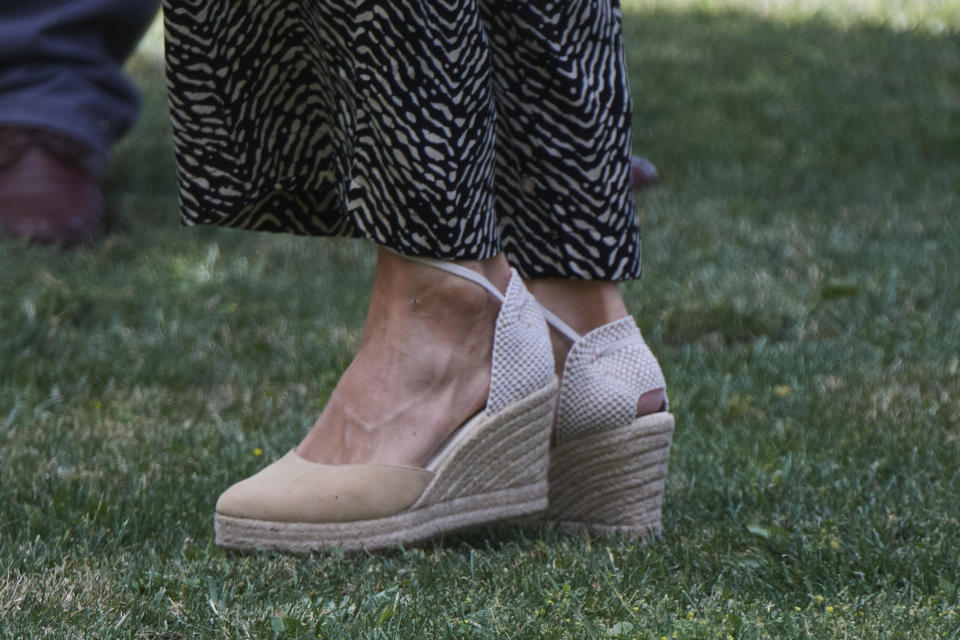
column 802, row 291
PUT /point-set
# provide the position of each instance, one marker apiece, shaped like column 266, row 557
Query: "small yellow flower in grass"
column 782, row 390
column 257, row 452
column 819, row 599
column 692, row 615
column 797, row 609
column 829, row 609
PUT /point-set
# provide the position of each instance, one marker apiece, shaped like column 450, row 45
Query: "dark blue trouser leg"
column 61, row 65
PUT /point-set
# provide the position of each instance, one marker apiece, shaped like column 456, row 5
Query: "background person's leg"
column 64, row 101
column 61, row 66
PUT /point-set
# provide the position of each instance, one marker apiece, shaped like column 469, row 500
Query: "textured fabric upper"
column 606, row 372
column 296, row 490
column 522, row 355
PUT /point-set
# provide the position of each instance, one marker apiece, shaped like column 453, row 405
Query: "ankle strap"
column 473, row 276
column 561, row 326
column 554, row 321
column 457, row 270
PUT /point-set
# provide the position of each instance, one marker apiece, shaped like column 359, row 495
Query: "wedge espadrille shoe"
column 493, row 467
column 608, row 466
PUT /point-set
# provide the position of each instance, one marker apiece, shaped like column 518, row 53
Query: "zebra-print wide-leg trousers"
column 454, row 129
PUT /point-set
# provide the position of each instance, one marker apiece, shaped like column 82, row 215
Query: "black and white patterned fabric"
column 452, row 129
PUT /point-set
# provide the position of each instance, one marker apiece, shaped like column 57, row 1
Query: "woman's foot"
column 436, row 350
column 423, row 367
column 586, row 305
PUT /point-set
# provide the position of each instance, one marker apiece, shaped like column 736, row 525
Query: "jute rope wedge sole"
column 608, row 469
column 494, row 467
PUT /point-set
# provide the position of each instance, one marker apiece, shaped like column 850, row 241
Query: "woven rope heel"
column 612, row 482
column 494, row 467
column 608, row 468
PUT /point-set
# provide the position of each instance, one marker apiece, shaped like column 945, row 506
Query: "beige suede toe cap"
column 295, row 490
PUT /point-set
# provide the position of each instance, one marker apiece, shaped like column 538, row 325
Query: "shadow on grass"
column 753, row 105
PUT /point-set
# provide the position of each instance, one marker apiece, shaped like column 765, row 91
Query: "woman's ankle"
column 583, row 304
column 422, row 368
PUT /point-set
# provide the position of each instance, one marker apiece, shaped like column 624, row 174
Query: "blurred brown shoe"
column 643, row 173
column 49, row 187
